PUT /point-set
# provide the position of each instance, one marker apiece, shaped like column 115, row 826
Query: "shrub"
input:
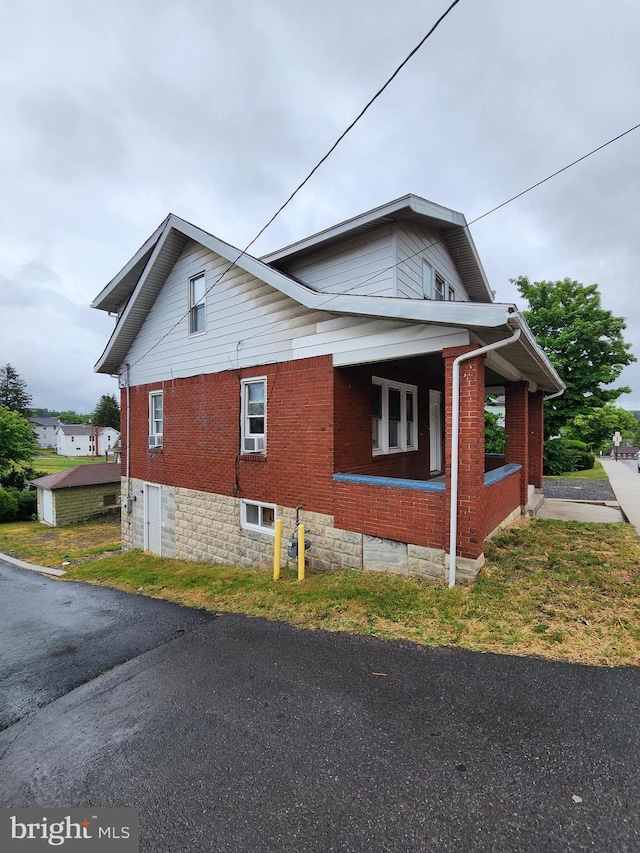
column 562, row 456
column 8, row 506
column 27, row 505
column 18, row 478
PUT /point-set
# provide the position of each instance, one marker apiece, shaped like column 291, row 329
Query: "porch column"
column 470, row 539
column 536, row 438
column 516, row 428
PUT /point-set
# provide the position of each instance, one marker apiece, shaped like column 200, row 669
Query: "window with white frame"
column 254, row 414
column 258, row 516
column 156, row 418
column 197, row 306
column 438, row 287
column 427, row 277
column 451, row 294
column 394, row 413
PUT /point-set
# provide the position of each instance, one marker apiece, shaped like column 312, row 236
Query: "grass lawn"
column 595, row 473
column 51, row 546
column 49, row 462
column 560, row 590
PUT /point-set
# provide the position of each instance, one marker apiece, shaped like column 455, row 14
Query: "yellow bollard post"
column 301, row 552
column 277, row 546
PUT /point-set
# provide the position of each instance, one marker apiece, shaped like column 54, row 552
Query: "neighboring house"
column 46, row 430
column 78, row 493
column 322, row 375
column 83, row 440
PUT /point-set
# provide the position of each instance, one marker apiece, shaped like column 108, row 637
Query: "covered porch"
column 403, row 493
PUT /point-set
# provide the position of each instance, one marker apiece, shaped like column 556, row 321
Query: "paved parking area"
column 237, row 734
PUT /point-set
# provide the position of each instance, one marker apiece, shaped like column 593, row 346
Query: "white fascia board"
column 105, row 294
column 419, row 205
column 535, row 350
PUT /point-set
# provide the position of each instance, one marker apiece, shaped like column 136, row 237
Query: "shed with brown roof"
column 78, row 493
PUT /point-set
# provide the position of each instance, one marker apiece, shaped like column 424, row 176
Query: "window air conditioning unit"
column 155, row 440
column 253, row 444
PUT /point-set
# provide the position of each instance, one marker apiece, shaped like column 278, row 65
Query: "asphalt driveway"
column 239, row 734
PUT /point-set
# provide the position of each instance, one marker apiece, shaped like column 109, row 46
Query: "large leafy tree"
column 597, row 426
column 17, row 439
column 584, row 343
column 13, row 391
column 107, row 413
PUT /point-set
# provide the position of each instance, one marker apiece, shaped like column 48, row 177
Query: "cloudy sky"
column 115, row 113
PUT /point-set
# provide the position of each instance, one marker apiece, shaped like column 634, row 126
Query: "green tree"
column 107, row 413
column 493, row 433
column 73, row 418
column 17, row 439
column 13, row 391
column 583, row 341
column 597, row 426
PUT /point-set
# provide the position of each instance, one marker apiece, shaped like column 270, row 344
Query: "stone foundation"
column 205, row 527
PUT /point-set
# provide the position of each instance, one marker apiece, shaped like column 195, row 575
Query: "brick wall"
column 201, row 435
column 516, row 429
column 536, row 438
column 403, row 515
column 502, row 500
column 471, row 492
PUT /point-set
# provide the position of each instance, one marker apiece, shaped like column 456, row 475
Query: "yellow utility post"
column 301, row 552
column 277, row 545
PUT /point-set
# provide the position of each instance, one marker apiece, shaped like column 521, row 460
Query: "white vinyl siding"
column 250, row 323
column 416, row 244
column 362, row 266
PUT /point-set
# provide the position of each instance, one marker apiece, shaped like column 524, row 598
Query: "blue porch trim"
column 501, row 473
column 391, row 482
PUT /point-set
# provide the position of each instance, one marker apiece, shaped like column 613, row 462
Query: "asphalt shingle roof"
column 83, row 475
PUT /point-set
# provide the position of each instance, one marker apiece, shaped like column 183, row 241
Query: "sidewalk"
column 625, row 482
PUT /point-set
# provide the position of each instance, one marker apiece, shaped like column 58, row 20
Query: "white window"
column 451, row 294
column 197, row 306
column 427, row 277
column 438, row 287
column 254, row 415
column 394, row 417
column 257, row 516
column 156, row 418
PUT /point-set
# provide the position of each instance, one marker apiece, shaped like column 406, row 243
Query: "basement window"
column 258, row 516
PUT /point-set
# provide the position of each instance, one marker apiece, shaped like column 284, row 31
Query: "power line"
column 315, row 168
column 462, row 227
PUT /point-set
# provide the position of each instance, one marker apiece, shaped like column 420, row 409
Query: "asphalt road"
column 239, row 734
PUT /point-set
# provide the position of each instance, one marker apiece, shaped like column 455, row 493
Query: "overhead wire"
column 344, row 133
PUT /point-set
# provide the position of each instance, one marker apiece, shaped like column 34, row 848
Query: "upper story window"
column 451, row 294
column 434, row 285
column 254, row 415
column 394, row 417
column 156, row 418
column 197, row 304
column 438, row 287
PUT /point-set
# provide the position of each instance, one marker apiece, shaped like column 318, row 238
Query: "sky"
column 116, row 113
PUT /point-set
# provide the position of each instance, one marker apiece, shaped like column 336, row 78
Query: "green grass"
column 48, row 462
column 560, row 590
column 595, row 473
column 51, row 546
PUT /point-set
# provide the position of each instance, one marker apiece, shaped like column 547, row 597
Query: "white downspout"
column 455, row 440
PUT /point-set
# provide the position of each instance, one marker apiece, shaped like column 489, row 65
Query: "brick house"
column 346, row 373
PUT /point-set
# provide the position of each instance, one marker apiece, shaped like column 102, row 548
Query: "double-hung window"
column 438, row 287
column 254, row 415
column 394, row 417
column 197, row 304
column 156, row 418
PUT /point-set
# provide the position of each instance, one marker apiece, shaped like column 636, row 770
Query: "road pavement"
column 241, row 734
